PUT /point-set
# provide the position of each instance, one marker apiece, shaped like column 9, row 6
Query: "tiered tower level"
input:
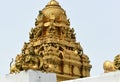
column 52, row 47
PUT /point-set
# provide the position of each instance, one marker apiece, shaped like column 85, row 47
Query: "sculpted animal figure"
column 117, row 62
column 13, row 68
column 108, row 66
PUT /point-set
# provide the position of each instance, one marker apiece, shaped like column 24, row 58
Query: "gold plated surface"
column 52, row 47
column 110, row 66
column 117, row 62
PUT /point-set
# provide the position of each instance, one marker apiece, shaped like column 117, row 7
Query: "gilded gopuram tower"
column 52, row 47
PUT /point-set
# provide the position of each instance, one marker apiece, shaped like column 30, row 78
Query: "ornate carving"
column 117, row 62
column 85, row 65
column 53, row 47
column 112, row 66
column 25, row 62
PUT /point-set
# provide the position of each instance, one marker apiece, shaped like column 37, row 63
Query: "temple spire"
column 52, row 47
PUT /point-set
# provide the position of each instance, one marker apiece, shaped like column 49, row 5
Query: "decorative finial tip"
column 53, row 2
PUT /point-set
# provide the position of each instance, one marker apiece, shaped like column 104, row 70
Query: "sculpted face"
column 117, row 62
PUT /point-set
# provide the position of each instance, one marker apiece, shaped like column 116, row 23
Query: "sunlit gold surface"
column 52, row 47
column 112, row 66
column 117, row 62
column 108, row 66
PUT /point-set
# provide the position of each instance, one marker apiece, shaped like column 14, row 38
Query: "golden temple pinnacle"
column 53, row 2
column 52, row 47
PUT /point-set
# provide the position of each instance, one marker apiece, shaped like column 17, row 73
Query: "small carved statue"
column 117, row 62
column 13, row 68
column 30, row 62
column 108, row 66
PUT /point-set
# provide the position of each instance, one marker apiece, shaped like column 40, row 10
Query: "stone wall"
column 29, row 76
column 106, row 77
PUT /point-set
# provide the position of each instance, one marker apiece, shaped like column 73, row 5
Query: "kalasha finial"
column 53, row 2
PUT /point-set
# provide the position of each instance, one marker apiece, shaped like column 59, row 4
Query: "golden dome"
column 53, row 11
column 53, row 2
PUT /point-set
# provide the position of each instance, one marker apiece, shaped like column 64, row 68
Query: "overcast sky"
column 96, row 23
